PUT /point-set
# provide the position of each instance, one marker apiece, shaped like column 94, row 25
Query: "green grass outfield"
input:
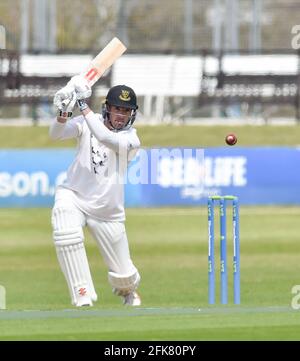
column 166, row 135
column 169, row 246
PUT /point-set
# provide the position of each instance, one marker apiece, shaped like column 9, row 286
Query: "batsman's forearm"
column 61, row 119
column 85, row 111
column 63, row 130
column 103, row 134
column 56, row 129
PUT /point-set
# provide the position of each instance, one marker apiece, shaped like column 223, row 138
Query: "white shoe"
column 84, row 301
column 132, row 299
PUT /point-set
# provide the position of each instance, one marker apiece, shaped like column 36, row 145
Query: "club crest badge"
column 124, row 95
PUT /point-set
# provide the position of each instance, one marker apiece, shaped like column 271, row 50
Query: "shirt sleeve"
column 119, row 142
column 70, row 129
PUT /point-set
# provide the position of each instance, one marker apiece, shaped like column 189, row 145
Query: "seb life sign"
column 163, row 176
column 262, row 175
column 181, row 176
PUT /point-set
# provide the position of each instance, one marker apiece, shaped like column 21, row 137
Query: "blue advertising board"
column 163, row 176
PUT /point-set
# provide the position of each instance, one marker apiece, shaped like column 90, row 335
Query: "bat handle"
column 65, row 103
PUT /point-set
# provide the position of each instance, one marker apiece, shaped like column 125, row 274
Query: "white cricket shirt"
column 96, row 176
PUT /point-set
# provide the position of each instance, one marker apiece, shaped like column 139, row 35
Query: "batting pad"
column 124, row 284
column 72, row 256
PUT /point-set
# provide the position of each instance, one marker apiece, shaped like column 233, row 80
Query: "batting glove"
column 81, row 86
column 65, row 103
column 82, row 105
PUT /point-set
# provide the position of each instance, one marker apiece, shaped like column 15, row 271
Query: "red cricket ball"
column 231, row 139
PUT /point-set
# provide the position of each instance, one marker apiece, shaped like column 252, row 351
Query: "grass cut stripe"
column 36, row 314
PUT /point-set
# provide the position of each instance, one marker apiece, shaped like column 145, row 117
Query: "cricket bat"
column 104, row 60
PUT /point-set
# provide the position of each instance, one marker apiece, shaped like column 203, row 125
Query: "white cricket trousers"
column 68, row 222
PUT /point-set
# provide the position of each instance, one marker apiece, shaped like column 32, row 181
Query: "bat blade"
column 104, row 60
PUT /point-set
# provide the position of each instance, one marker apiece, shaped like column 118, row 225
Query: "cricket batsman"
column 93, row 192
